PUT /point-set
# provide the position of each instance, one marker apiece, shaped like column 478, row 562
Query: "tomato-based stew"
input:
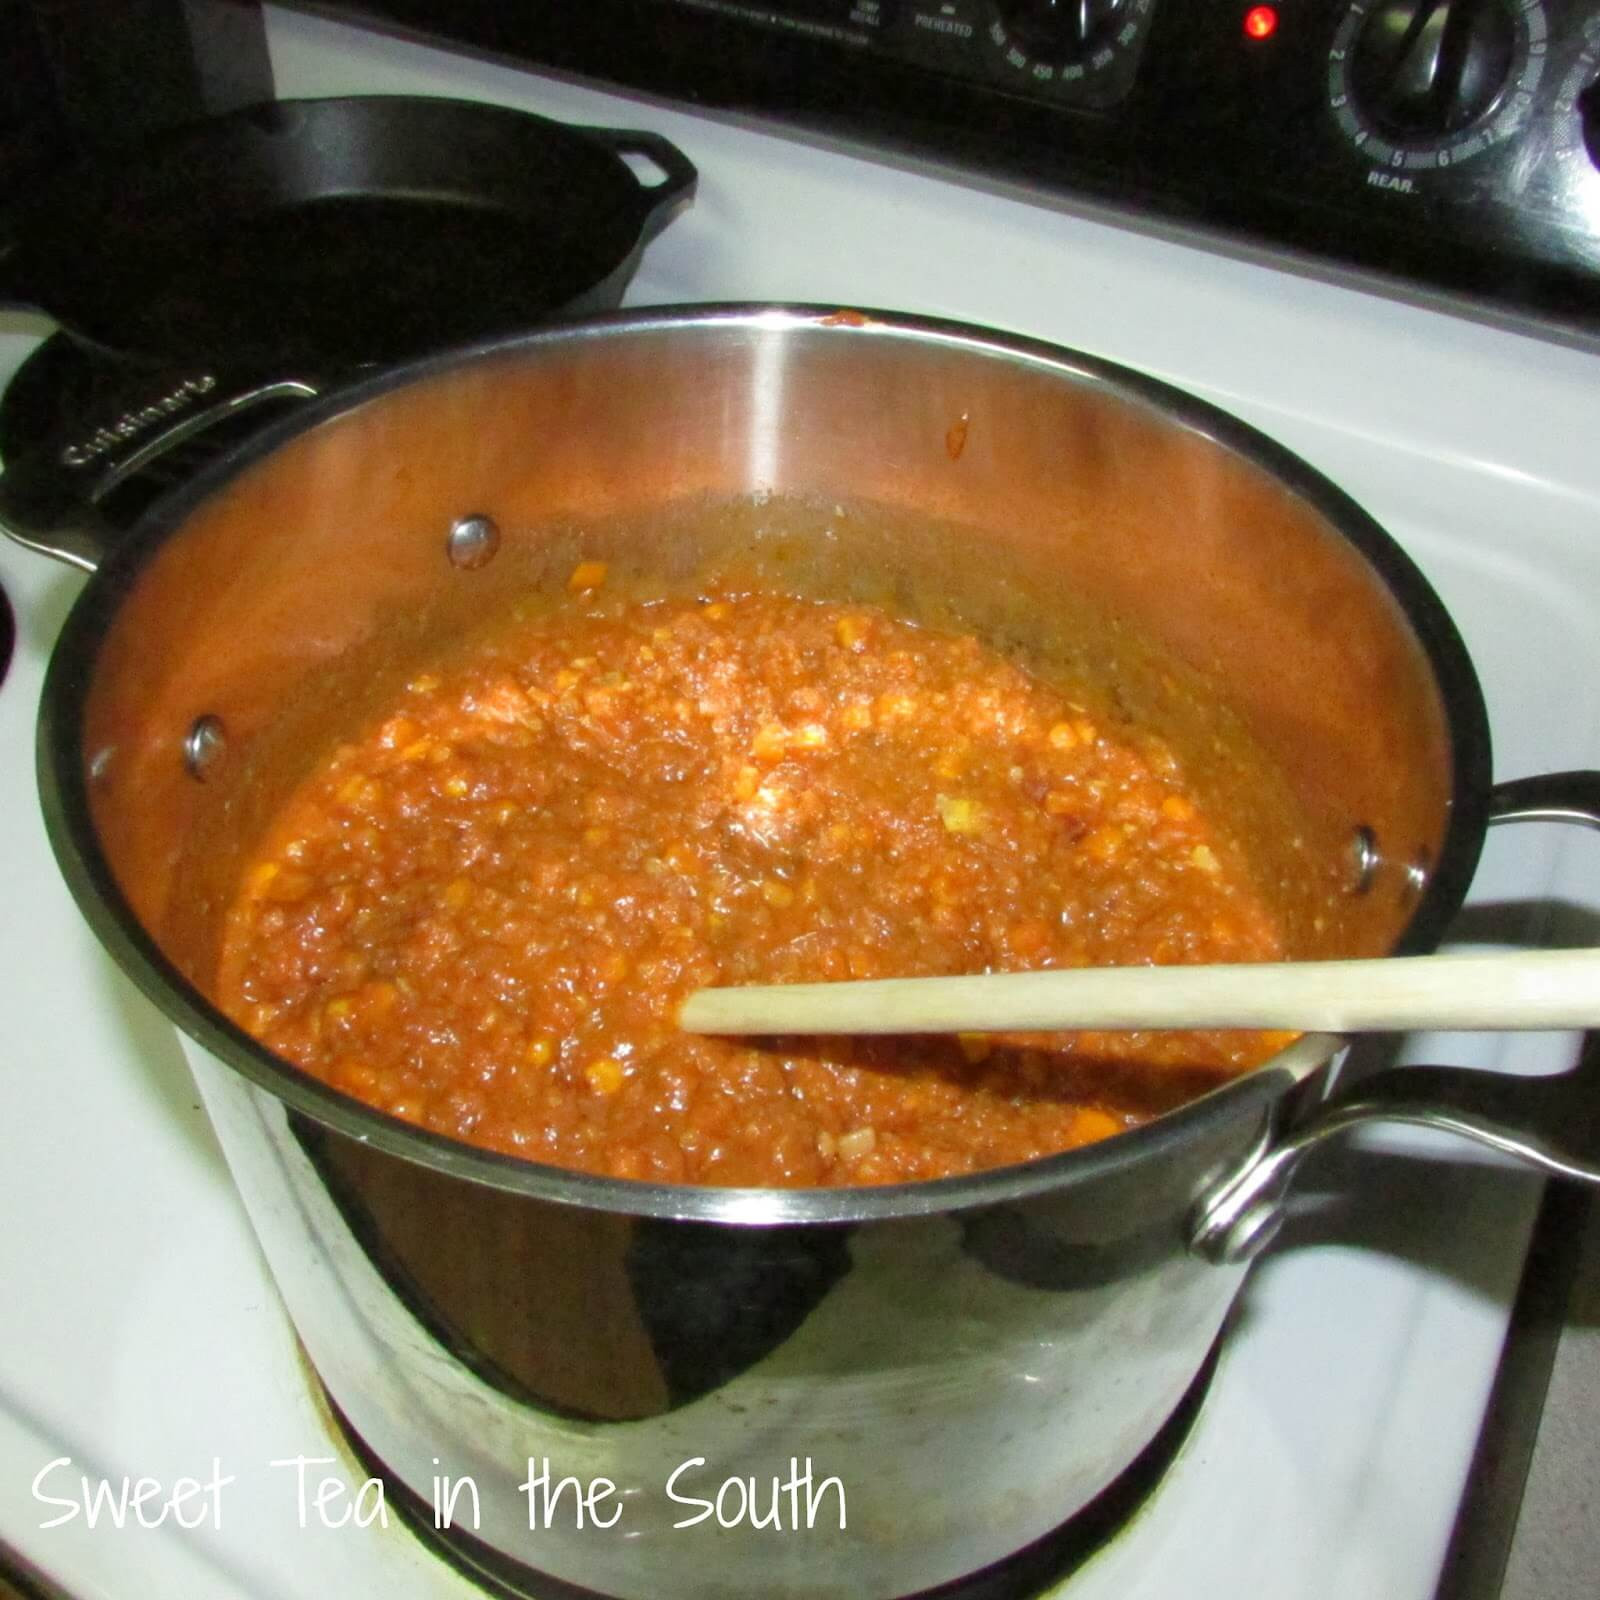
column 482, row 912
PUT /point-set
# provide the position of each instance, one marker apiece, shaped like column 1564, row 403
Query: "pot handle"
column 1552, row 1123
column 1548, row 797
column 49, row 499
column 661, row 200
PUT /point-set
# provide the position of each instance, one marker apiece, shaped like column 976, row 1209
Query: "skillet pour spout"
column 1035, row 1324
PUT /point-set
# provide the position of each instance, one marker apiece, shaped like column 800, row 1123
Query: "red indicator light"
column 1260, row 22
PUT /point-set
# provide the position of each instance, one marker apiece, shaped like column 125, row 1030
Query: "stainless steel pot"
column 969, row 1361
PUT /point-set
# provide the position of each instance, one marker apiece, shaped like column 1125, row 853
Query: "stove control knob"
column 1060, row 31
column 1426, row 69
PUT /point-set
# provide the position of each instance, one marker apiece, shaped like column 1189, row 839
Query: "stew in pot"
column 481, row 913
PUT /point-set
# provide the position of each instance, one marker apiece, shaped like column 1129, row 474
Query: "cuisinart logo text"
column 132, row 423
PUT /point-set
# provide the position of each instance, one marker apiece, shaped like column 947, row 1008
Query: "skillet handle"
column 1551, row 1124
column 663, row 199
column 49, row 500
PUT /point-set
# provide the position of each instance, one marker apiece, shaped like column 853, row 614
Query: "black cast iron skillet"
column 341, row 231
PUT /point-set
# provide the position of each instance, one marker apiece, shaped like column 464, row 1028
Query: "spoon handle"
column 1521, row 989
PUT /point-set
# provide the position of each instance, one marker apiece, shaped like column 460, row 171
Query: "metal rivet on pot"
column 1364, row 859
column 1417, row 870
column 204, row 745
column 473, row 542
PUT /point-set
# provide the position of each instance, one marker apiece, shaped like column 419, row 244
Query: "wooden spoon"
column 1523, row 989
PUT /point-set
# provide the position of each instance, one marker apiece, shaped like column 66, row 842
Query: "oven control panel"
column 1448, row 148
column 1083, row 54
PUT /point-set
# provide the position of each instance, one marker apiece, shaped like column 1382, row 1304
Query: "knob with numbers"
column 1420, row 85
column 1429, row 68
column 1060, row 31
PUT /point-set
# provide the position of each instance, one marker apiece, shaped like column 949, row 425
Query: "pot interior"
column 1207, row 586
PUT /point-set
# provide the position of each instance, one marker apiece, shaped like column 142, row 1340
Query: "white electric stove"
column 140, row 1335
